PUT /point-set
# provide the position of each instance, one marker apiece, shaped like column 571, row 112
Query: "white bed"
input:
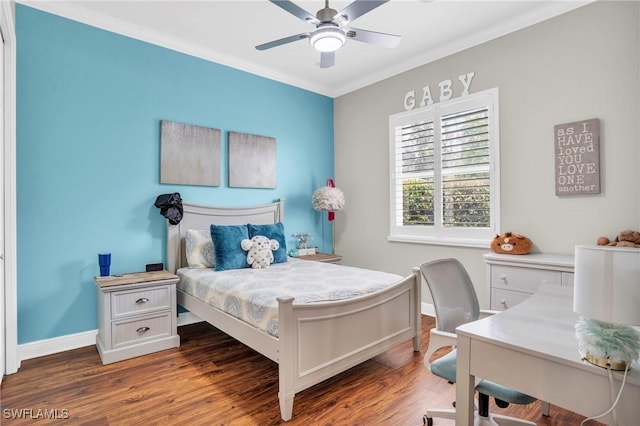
column 358, row 328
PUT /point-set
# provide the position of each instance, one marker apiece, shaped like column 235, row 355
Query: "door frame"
column 10, row 299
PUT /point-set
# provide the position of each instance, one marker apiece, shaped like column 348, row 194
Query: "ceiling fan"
column 331, row 32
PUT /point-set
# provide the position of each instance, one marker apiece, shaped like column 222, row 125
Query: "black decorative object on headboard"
column 170, row 206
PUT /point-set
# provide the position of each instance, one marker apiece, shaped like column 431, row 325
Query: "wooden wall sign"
column 577, row 152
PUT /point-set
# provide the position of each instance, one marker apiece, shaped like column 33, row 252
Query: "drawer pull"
column 503, row 303
column 141, row 301
column 143, row 329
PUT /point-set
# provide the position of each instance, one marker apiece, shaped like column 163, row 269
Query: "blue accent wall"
column 89, row 105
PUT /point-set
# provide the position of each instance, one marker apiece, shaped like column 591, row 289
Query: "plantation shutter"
column 415, row 179
column 444, row 172
column 465, row 168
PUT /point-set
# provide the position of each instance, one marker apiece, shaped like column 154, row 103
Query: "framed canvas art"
column 252, row 161
column 189, row 154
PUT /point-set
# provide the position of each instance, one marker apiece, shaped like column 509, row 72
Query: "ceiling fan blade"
column 282, row 41
column 357, row 9
column 372, row 37
column 327, row 59
column 296, row 10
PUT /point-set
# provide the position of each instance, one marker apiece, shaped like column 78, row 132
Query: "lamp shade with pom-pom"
column 328, row 199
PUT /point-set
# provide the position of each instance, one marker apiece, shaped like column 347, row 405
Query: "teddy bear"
column 626, row 238
column 260, row 251
column 511, row 243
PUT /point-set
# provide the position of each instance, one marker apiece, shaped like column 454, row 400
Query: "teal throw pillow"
column 273, row 232
column 226, row 246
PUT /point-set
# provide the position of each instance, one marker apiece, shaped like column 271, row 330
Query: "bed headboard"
column 201, row 217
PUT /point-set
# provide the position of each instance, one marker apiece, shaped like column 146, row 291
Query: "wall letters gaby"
column 446, row 92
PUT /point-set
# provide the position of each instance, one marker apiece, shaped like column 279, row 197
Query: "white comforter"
column 250, row 294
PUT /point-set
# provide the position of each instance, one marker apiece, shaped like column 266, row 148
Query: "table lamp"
column 329, row 199
column 606, row 295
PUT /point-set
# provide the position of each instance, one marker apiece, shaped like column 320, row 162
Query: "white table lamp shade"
column 607, row 284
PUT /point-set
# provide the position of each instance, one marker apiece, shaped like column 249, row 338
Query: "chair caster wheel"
column 427, row 420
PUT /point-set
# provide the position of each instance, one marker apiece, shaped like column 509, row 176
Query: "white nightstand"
column 137, row 315
column 322, row 257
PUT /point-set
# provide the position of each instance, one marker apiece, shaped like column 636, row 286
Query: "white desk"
column 532, row 348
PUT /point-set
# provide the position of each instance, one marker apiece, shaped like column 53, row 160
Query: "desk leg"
column 465, row 383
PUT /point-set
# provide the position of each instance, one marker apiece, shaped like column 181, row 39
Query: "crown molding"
column 76, row 12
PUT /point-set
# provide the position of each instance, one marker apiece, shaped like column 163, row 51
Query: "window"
column 444, row 172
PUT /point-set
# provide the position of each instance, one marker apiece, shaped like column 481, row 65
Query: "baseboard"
column 186, row 318
column 57, row 344
column 78, row 340
column 427, row 309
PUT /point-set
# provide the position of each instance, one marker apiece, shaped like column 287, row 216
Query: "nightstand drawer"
column 139, row 330
column 139, row 301
column 522, row 279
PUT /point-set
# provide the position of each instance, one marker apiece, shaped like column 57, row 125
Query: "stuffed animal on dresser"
column 511, row 243
column 260, row 251
column 626, row 238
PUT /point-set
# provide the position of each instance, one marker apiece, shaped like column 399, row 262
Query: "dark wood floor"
column 213, row 380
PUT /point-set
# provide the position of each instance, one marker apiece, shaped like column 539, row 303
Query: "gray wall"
column 584, row 64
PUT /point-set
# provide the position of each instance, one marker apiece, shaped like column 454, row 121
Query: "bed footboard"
column 318, row 341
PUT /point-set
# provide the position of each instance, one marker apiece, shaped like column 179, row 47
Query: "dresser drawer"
column 140, row 301
column 567, row 279
column 138, row 330
column 522, row 279
column 504, row 299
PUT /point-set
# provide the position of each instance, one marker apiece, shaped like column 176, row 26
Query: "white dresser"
column 136, row 315
column 513, row 278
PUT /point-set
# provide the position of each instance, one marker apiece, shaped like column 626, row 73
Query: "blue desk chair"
column 456, row 303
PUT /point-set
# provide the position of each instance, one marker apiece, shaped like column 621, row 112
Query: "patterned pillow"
column 199, row 248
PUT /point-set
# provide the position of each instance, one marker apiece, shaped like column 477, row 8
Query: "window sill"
column 457, row 242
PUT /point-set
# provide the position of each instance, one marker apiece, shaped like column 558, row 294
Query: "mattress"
column 250, row 294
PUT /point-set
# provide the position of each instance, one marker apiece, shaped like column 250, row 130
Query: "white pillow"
column 199, row 248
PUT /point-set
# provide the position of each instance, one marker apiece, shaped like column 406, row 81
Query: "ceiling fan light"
column 327, row 39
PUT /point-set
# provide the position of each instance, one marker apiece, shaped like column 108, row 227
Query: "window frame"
column 437, row 234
